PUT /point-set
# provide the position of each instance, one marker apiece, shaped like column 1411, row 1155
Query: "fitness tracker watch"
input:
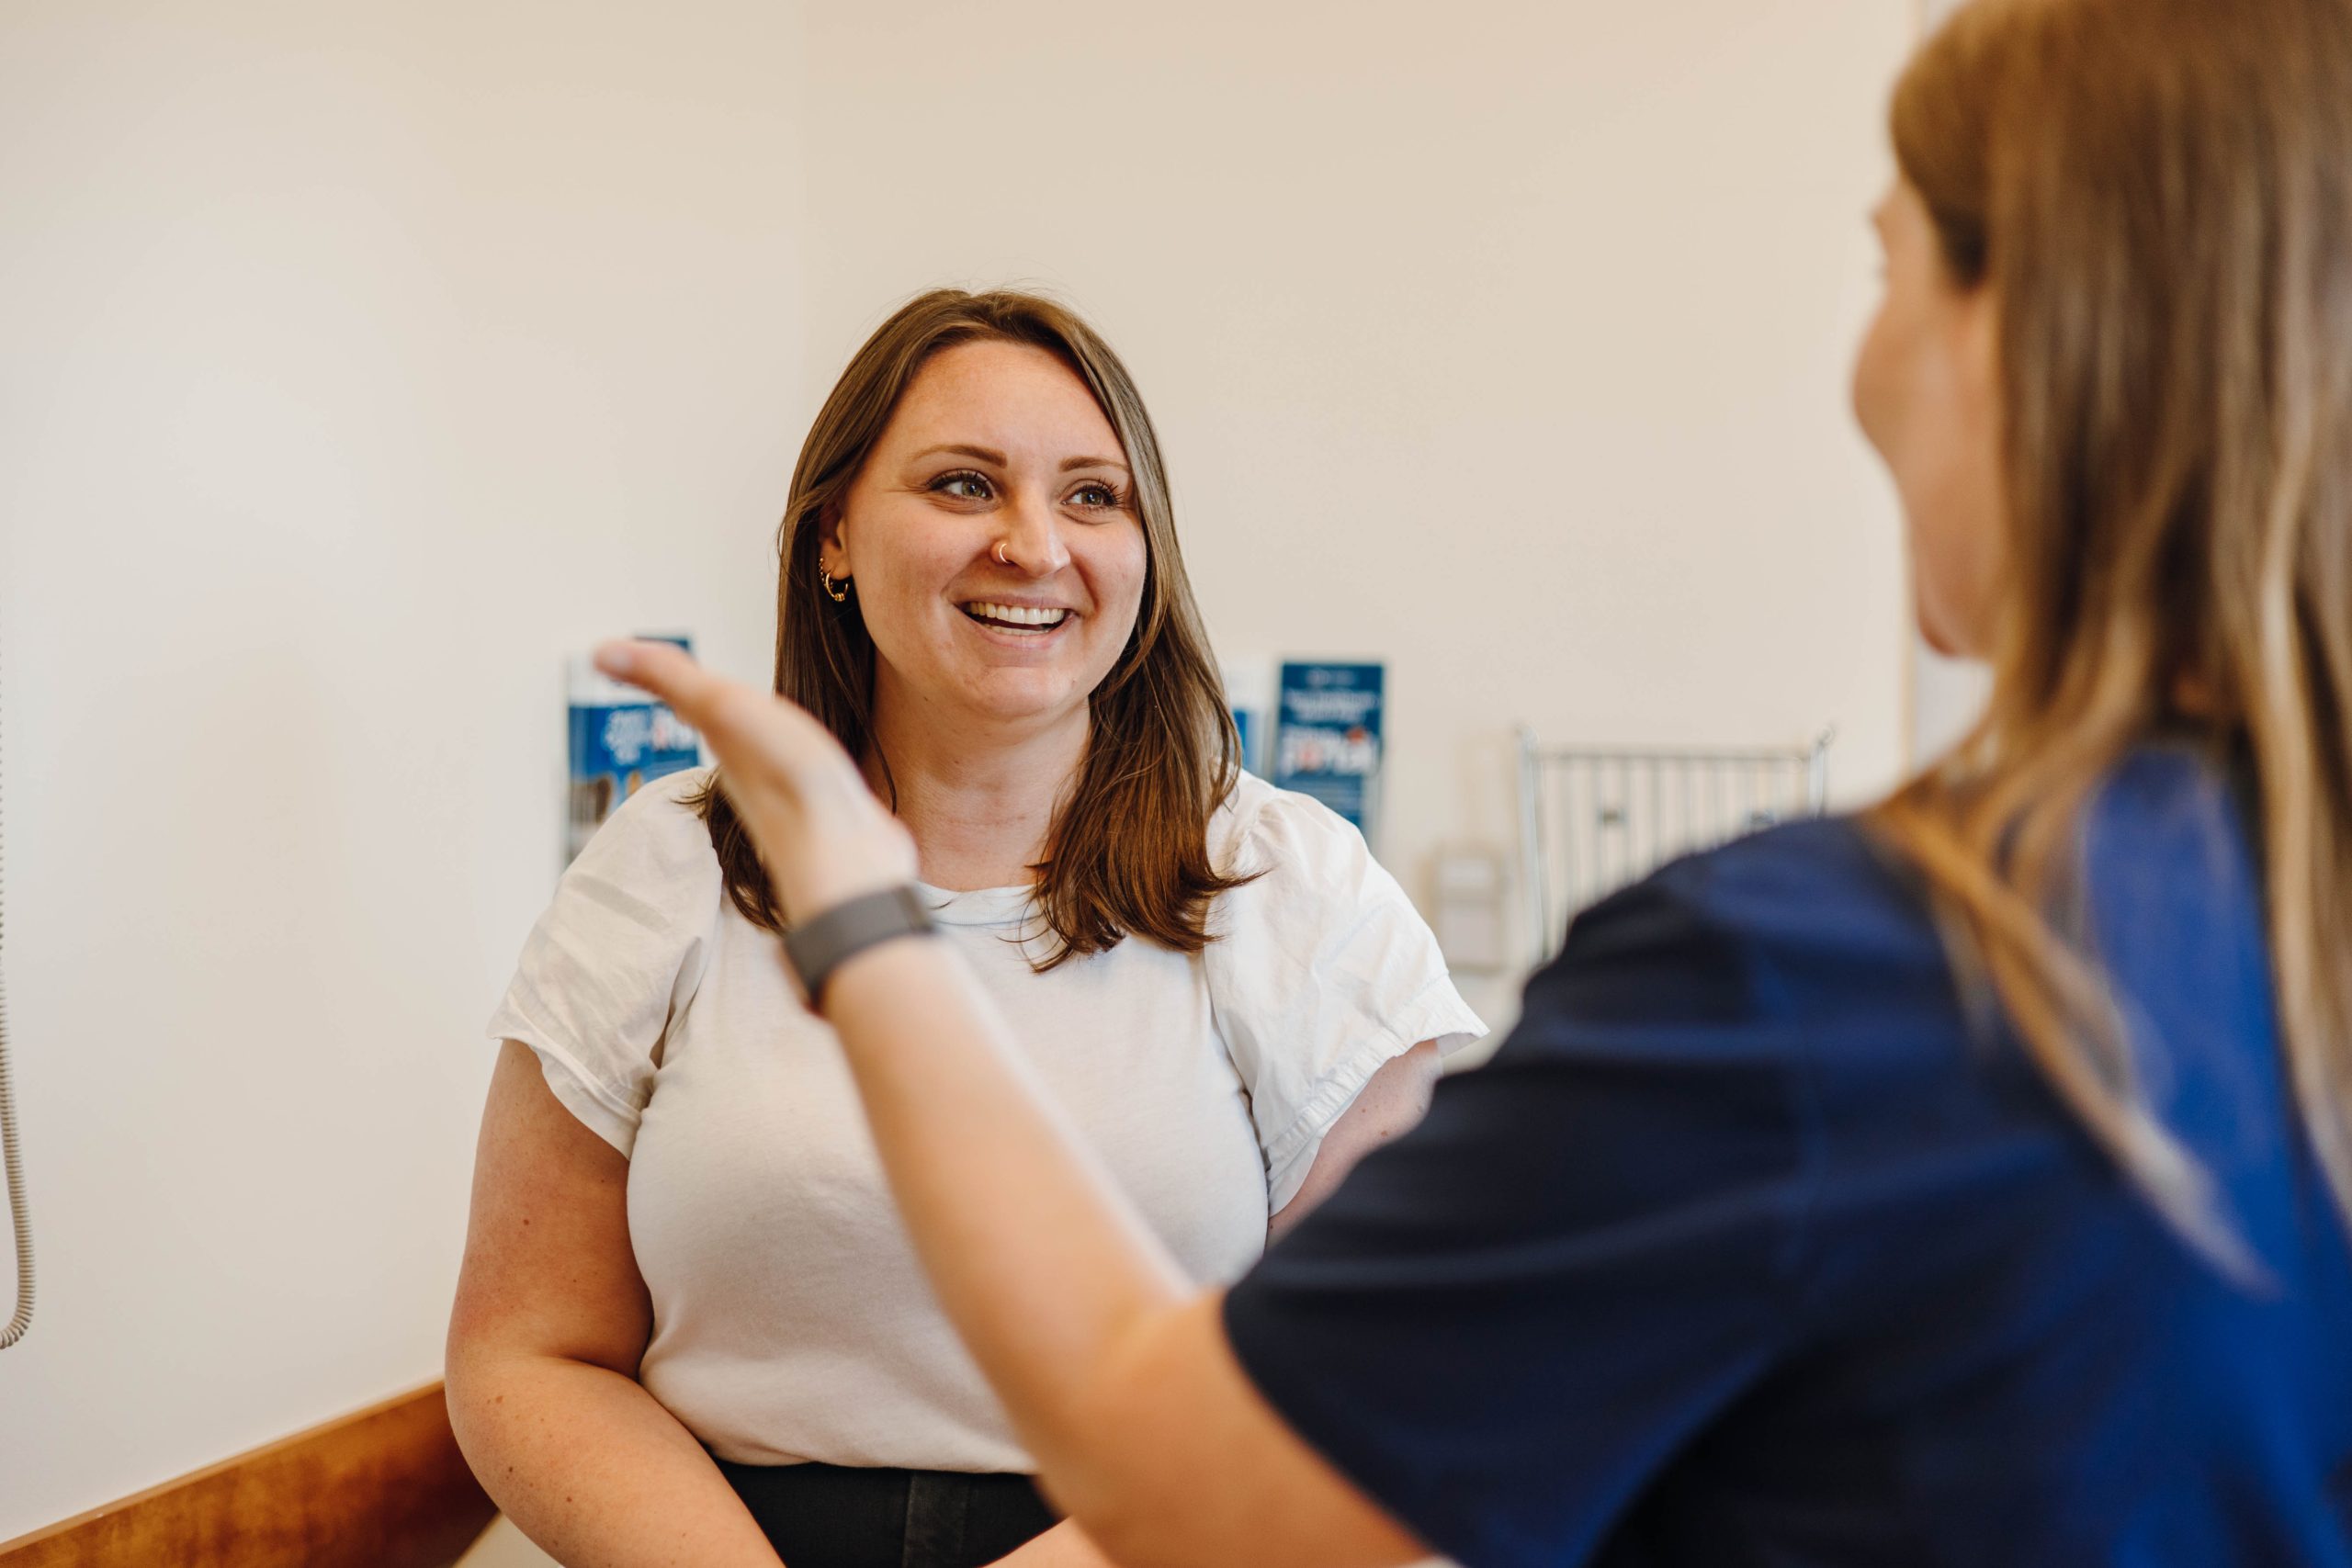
column 825, row 943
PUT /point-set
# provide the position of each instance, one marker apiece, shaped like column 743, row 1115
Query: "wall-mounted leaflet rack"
column 1593, row 820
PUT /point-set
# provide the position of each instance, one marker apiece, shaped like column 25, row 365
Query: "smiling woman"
column 985, row 465
column 690, row 1319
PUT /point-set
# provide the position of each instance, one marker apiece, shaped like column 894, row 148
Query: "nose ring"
column 1002, row 559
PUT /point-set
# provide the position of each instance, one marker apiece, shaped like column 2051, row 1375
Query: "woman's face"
column 994, row 541
column 1926, row 390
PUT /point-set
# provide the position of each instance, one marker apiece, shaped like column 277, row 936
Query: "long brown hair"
column 2159, row 194
column 1127, row 849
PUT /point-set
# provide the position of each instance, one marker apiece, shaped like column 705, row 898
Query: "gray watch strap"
column 825, row 943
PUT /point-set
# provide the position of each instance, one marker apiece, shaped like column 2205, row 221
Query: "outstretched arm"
column 1117, row 1374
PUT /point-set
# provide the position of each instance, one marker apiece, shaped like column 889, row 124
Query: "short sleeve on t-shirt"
column 1323, row 971
column 1629, row 1172
column 616, row 956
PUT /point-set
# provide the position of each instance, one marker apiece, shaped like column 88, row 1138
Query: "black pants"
column 822, row 1516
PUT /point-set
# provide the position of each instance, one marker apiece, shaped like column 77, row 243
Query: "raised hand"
column 823, row 836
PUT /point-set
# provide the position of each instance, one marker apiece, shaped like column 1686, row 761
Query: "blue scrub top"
column 1748, row 1250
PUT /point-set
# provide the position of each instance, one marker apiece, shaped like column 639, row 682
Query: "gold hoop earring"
column 836, row 591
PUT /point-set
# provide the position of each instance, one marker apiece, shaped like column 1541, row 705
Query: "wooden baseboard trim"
column 384, row 1487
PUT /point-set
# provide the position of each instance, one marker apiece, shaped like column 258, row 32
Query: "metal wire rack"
column 1593, row 820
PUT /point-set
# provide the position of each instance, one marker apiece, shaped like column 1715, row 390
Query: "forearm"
column 591, row 1466
column 1039, row 1265
column 1114, row 1372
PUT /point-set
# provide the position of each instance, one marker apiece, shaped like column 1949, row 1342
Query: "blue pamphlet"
column 621, row 741
column 1328, row 734
column 1245, row 727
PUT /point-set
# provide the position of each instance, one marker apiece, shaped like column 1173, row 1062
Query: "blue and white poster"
column 1247, row 728
column 1327, row 736
column 621, row 741
column 1249, row 695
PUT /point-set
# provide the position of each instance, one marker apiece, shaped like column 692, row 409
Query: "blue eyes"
column 964, row 484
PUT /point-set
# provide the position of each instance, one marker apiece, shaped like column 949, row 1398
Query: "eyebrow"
column 990, row 454
column 983, row 453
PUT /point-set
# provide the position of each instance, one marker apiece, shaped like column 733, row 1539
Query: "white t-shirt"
column 790, row 1319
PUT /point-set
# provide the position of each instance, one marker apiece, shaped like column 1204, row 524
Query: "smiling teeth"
column 1016, row 615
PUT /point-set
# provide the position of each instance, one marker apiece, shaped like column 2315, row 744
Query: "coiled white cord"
column 20, row 1212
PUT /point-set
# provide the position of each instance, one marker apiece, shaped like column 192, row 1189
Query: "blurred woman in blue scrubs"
column 1963, row 1183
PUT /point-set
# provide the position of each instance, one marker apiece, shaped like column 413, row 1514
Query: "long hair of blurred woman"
column 2157, row 192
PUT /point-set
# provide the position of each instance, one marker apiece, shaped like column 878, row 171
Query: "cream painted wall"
column 1507, row 343
column 361, row 362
